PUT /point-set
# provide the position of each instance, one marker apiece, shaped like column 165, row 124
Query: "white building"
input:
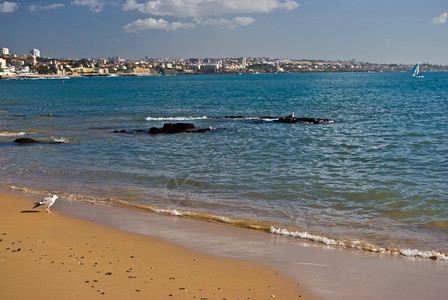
column 243, row 61
column 4, row 70
column 5, row 51
column 35, row 52
column 30, row 60
column 57, row 69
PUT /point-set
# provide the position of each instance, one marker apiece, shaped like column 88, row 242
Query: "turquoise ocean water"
column 375, row 179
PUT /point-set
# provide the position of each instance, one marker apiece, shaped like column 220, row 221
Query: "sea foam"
column 175, row 118
column 6, row 133
column 356, row 244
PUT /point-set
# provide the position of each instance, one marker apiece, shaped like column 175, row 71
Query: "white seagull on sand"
column 47, row 201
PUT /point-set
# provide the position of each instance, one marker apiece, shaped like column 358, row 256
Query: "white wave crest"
column 175, row 118
column 60, row 140
column 359, row 245
column 307, row 236
column 6, row 133
column 173, row 212
column 269, row 119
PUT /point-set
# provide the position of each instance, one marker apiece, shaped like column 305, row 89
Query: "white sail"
column 416, row 71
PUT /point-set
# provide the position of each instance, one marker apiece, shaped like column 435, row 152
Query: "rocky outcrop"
column 26, row 140
column 173, row 128
column 288, row 119
column 232, row 117
column 292, row 120
column 168, row 128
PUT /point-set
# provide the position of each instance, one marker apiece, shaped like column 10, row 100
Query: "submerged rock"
column 233, row 117
column 171, row 128
column 168, row 128
column 292, row 120
column 26, row 141
column 288, row 119
column 33, row 141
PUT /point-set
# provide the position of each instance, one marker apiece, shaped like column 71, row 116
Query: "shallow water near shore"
column 375, row 179
column 325, row 271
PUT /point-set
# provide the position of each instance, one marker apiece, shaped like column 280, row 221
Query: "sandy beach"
column 51, row 256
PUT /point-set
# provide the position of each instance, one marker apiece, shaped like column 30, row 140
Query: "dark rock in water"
column 292, row 120
column 233, row 117
column 133, row 131
column 177, row 127
column 171, row 128
column 33, row 141
column 26, row 141
column 168, row 128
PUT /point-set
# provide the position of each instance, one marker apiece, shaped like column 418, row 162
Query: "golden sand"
column 50, row 256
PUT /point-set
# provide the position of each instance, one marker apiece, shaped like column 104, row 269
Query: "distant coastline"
column 62, row 76
column 31, row 66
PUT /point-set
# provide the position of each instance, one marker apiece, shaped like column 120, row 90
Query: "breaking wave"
column 6, row 133
column 175, row 118
column 258, row 225
column 60, row 140
column 360, row 245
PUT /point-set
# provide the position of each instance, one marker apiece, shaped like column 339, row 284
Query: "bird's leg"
column 48, row 210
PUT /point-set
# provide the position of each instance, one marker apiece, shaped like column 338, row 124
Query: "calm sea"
column 374, row 179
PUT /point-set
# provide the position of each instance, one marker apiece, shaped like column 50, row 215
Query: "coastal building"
column 57, row 68
column 4, row 69
column 16, row 61
column 30, row 60
column 103, row 71
column 116, row 59
column 210, row 68
column 35, row 52
column 5, row 51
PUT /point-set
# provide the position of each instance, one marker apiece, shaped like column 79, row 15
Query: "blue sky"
column 382, row 31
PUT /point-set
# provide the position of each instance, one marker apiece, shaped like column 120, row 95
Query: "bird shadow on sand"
column 29, row 211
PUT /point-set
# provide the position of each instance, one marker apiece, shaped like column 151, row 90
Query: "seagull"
column 47, row 201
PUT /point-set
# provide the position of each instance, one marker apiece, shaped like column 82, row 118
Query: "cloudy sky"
column 383, row 31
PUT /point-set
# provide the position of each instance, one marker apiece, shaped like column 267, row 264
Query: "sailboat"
column 416, row 72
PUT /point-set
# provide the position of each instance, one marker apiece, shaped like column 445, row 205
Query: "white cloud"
column 232, row 23
column 202, row 12
column 46, row 7
column 243, row 21
column 440, row 19
column 203, row 8
column 151, row 23
column 94, row 5
column 8, row 7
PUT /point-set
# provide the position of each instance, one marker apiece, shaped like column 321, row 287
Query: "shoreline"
column 86, row 75
column 325, row 272
column 81, row 258
column 257, row 225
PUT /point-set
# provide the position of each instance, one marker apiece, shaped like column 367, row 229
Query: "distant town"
column 34, row 65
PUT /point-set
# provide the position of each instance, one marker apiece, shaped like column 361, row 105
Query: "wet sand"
column 329, row 273
column 51, row 256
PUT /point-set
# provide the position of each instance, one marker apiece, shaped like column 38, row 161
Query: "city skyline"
column 402, row 32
